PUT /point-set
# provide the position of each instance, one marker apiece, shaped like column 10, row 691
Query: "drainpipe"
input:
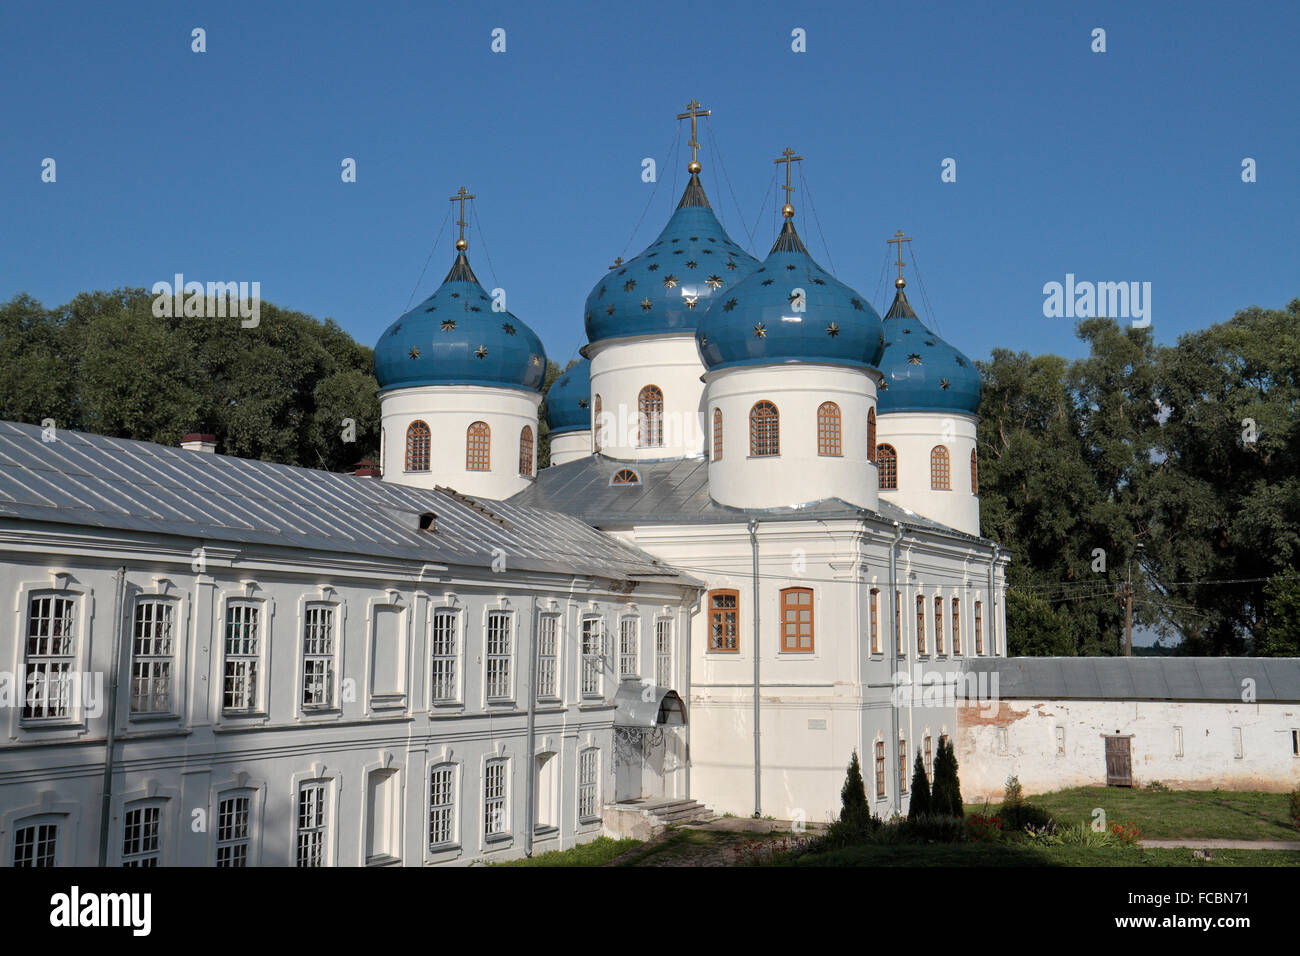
column 893, row 654
column 685, row 628
column 758, row 766
column 110, row 717
column 531, row 763
column 993, row 602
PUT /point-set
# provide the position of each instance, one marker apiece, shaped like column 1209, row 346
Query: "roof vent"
column 366, row 469
column 428, row 521
column 197, row 441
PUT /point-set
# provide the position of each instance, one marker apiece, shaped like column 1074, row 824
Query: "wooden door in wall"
column 628, row 763
column 1119, row 762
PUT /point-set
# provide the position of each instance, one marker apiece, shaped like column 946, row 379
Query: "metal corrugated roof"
column 676, row 491
column 1277, row 679
column 98, row 482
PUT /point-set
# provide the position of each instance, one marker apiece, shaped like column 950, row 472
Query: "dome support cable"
column 749, row 232
column 817, row 219
column 672, row 155
column 473, row 208
column 929, row 309
column 432, row 250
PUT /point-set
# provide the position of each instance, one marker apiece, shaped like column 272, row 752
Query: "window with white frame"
column 498, row 655
column 233, row 838
column 592, row 651
column 318, row 656
column 36, row 843
column 496, row 816
column 444, row 655
column 141, row 843
column 49, row 656
column 1178, row 741
column 243, row 656
column 152, row 649
column 313, row 823
column 548, row 656
column 627, row 647
column 442, row 805
column 664, row 653
column 589, row 785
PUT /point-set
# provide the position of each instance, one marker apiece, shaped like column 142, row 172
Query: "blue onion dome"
column 668, row 286
column 922, row 372
column 758, row 322
column 454, row 338
column 568, row 400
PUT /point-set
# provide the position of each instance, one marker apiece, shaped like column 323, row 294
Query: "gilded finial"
column 693, row 112
column 898, row 240
column 460, row 197
column 788, row 157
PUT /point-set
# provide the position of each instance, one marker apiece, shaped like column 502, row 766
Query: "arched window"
column 871, row 434
column 526, row 452
column 596, row 425
column 797, row 619
column 764, row 430
column 417, row 447
column 625, row 476
column 650, row 417
column 940, row 469
column 974, row 474
column 717, row 434
column 478, row 447
column 828, row 429
column 887, row 462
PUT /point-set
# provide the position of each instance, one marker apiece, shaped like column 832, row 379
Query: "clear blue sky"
column 1120, row 166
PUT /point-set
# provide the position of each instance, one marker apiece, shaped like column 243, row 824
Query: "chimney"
column 197, row 441
column 366, row 469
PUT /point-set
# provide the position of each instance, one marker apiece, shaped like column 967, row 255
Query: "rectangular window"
column 1295, row 743
column 797, row 619
column 312, row 823
column 627, row 647
column 873, row 604
column 1178, row 741
column 442, row 805
column 443, row 654
column 588, row 785
column 140, row 845
column 1237, row 750
column 938, row 625
column 382, row 795
column 979, row 627
column 920, row 624
column 243, row 649
column 902, row 765
column 318, row 657
column 49, row 657
column 664, row 653
column 232, row 830
column 151, row 657
column 724, row 621
column 498, row 655
column 1060, row 741
column 956, row 626
column 548, row 656
column 496, row 820
column 929, row 758
column 592, row 653
column 880, row 768
column 35, row 845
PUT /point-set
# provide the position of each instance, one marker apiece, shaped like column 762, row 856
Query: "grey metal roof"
column 644, row 705
column 1277, row 679
column 676, row 491
column 112, row 483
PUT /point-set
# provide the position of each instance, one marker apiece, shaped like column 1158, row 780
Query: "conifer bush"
column 919, row 805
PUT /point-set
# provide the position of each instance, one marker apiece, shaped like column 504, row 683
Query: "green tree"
column 553, row 371
column 1281, row 633
column 945, row 797
column 919, row 804
column 853, row 795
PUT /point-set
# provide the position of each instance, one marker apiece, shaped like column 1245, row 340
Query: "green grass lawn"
column 1012, row 854
column 599, row 851
column 1174, row 814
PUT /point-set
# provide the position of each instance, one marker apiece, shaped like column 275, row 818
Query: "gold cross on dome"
column 898, row 240
column 693, row 111
column 788, row 157
column 460, row 197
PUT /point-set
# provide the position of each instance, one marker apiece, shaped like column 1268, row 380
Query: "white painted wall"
column 798, row 475
column 914, row 435
column 449, row 410
column 570, row 446
column 620, row 368
column 1020, row 738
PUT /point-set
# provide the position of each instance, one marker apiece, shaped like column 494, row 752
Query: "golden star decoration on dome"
column 760, row 330
column 646, row 304
column 481, row 351
column 670, row 281
column 691, row 300
column 714, row 281
column 629, row 285
column 449, row 325
column 414, row 353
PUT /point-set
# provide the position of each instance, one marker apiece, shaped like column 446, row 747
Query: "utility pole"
column 1128, row 607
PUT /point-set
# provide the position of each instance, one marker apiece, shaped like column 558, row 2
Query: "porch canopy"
column 638, row 704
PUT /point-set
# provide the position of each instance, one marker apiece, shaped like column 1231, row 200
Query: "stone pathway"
column 1212, row 844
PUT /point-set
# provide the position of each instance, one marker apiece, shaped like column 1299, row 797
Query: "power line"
column 432, row 250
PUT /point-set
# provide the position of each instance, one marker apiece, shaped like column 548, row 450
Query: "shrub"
column 981, row 828
column 853, row 795
column 935, row 828
column 1295, row 808
column 1155, row 786
column 1013, row 794
column 1016, row 817
column 919, row 804
column 945, row 798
